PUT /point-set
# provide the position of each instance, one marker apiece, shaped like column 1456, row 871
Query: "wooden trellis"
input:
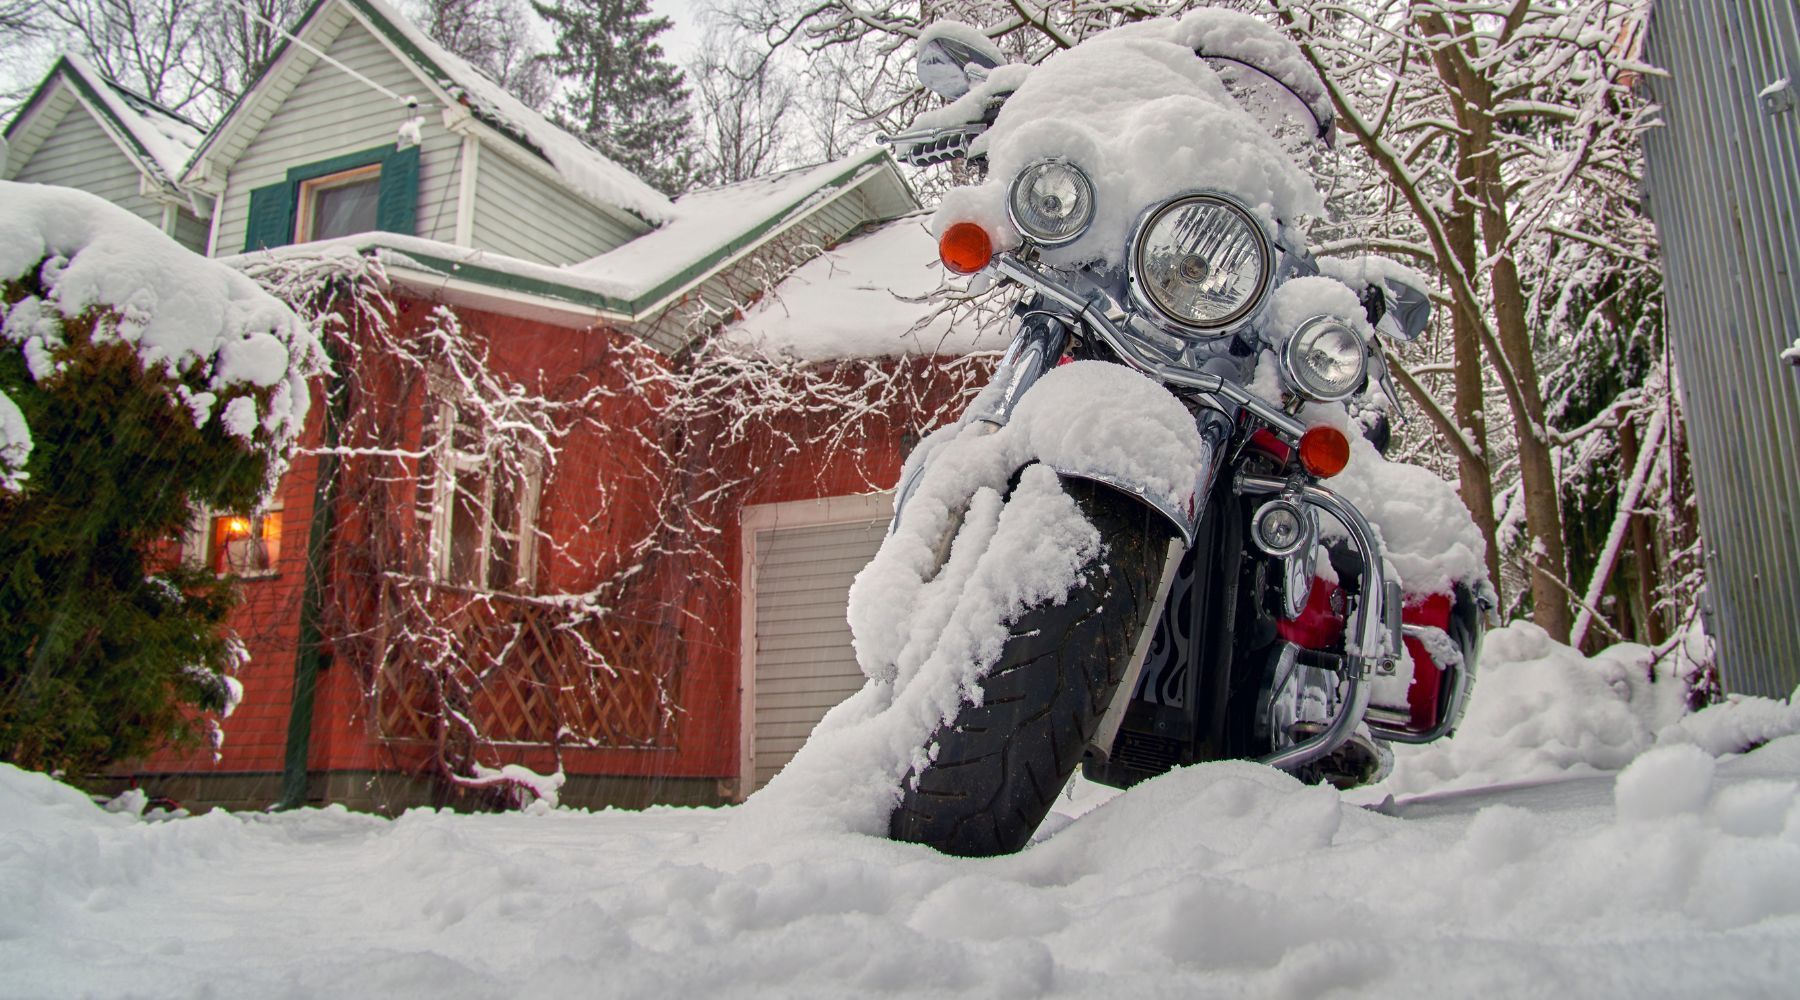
column 528, row 671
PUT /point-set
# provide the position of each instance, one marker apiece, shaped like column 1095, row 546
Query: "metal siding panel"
column 78, row 153
column 1724, row 179
column 804, row 661
column 521, row 215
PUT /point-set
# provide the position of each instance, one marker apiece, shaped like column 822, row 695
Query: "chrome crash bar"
column 1374, row 638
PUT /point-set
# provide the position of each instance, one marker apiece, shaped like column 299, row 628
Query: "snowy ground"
column 1518, row 863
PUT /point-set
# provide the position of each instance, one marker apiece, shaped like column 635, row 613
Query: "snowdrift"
column 1676, row 876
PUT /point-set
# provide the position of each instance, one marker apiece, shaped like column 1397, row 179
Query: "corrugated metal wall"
column 1724, row 188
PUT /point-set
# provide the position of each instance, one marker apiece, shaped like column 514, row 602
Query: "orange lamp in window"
column 245, row 546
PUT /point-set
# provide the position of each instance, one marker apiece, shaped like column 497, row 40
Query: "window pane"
column 345, row 209
column 246, row 546
column 503, row 556
column 465, row 530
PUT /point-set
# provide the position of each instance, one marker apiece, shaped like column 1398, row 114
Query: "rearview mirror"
column 953, row 57
column 1408, row 309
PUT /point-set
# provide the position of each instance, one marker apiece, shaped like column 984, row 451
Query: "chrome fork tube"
column 1036, row 349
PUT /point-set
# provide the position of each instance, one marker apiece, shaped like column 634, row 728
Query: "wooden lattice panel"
column 526, row 671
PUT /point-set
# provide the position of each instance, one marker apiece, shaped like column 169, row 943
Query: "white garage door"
column 802, row 558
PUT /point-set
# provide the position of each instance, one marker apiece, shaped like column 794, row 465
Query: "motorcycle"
column 1129, row 554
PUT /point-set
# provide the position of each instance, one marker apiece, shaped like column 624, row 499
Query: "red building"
column 558, row 512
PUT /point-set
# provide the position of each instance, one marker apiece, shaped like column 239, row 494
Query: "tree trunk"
column 1472, row 93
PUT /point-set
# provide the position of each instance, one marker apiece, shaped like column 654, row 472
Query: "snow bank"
column 1541, row 711
column 1146, row 120
column 1224, row 880
column 926, row 634
column 178, row 309
column 878, row 295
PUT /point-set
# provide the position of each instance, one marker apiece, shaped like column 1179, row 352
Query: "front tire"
column 999, row 766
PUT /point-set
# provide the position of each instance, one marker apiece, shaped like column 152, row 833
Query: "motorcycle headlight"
column 1051, row 201
column 1202, row 261
column 1325, row 359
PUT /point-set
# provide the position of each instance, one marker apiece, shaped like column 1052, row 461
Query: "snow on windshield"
column 1146, row 120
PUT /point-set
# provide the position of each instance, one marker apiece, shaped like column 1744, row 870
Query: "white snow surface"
column 15, row 444
column 1679, row 876
column 1146, row 120
column 584, row 168
column 703, row 222
column 878, row 295
column 176, row 307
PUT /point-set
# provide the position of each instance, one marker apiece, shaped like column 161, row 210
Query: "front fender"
column 1101, row 422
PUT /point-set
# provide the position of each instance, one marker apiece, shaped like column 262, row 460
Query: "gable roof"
column 820, row 205
column 455, row 84
column 157, row 140
column 713, row 224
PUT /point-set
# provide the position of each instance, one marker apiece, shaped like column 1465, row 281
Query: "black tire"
column 1000, row 766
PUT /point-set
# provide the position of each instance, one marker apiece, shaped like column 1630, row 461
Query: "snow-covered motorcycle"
column 1125, row 554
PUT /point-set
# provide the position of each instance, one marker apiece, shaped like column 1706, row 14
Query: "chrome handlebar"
column 1092, row 313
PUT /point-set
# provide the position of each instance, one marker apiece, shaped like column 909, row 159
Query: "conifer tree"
column 620, row 94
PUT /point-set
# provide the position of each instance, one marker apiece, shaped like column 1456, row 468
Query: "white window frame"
column 449, row 462
column 303, row 198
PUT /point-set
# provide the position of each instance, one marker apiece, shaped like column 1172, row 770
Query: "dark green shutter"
column 399, row 192
column 271, row 221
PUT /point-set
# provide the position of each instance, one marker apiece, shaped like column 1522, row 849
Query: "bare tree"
column 151, row 46
column 744, row 106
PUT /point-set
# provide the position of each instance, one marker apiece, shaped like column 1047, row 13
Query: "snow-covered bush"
column 141, row 381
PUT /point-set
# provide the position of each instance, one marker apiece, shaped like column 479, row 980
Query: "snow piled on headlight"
column 927, row 632
column 1145, row 119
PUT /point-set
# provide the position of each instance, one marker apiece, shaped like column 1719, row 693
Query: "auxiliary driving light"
column 1279, row 528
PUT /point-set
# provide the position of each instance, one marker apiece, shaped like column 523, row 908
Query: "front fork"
column 1374, row 639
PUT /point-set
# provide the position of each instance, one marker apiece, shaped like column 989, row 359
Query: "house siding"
column 78, row 153
column 330, row 113
column 190, row 231
column 518, row 214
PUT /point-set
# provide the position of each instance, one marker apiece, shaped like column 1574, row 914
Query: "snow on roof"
column 580, row 165
column 704, row 223
column 166, row 137
column 871, row 296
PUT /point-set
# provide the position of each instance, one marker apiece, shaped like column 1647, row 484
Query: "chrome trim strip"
column 1114, row 716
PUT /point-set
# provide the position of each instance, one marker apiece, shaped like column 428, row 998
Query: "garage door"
column 803, row 662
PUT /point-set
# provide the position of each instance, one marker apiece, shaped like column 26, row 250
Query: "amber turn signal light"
column 965, row 248
column 1324, row 451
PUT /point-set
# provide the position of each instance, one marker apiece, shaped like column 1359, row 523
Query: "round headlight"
column 1051, row 202
column 1202, row 261
column 1325, row 359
